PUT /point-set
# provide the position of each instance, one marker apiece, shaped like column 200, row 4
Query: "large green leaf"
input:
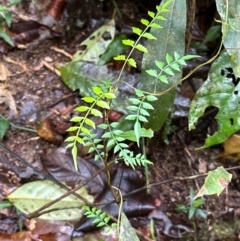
column 170, row 39
column 221, row 92
column 96, row 44
column 229, row 12
column 33, row 195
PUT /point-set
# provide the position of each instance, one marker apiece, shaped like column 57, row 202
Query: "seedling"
column 193, row 208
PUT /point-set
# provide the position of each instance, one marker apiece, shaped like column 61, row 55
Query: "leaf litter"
column 168, row 159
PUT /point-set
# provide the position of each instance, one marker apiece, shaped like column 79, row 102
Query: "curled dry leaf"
column 7, row 98
column 46, row 131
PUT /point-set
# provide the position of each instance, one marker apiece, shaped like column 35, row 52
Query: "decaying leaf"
column 33, row 195
column 7, row 98
column 4, row 73
column 215, row 182
column 96, row 44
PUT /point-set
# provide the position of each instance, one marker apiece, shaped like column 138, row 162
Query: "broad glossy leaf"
column 219, row 91
column 96, row 44
column 33, row 195
column 172, row 38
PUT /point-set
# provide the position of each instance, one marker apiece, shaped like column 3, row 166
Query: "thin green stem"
column 135, row 44
column 19, row 127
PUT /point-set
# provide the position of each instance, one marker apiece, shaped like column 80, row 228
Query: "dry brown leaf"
column 22, row 65
column 7, row 98
column 231, row 148
column 4, row 73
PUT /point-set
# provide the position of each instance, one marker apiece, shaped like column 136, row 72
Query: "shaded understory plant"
column 140, row 105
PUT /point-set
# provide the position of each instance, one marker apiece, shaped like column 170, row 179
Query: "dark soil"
column 40, row 93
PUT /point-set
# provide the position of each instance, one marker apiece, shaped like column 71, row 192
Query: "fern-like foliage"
column 101, row 219
column 173, row 64
column 143, row 34
column 100, row 99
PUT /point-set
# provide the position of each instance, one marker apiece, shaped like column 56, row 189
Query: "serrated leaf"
column 107, row 135
column 132, row 62
column 73, row 128
column 151, row 14
column 215, row 182
column 111, row 143
column 97, row 90
column 120, row 57
column 109, row 95
column 103, row 126
column 169, row 58
column 168, row 71
column 132, row 108
column 151, row 98
column 85, row 130
column 128, row 42
column 69, row 145
column 88, row 99
column 96, row 112
column 131, row 117
column 152, row 72
column 219, row 91
column 144, row 112
column 77, row 119
column 155, row 25
column 142, row 118
column 161, row 18
column 137, row 31
column 70, row 139
column 175, row 66
column 114, row 124
column 148, row 106
column 82, row 108
column 102, row 104
column 139, row 93
column 149, row 36
column 141, row 48
column 96, row 44
column 163, row 78
column 135, row 101
column 31, row 196
column 145, row 22
column 159, row 64
column 90, row 123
